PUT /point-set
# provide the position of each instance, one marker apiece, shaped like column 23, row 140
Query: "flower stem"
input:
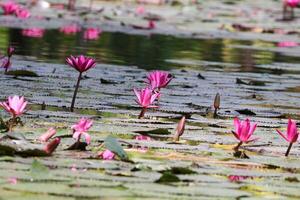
column 142, row 113
column 215, row 113
column 11, row 124
column 236, row 148
column 288, row 149
column 75, row 92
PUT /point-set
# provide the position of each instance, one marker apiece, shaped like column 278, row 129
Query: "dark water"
column 148, row 52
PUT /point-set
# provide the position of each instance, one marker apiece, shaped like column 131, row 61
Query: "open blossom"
column 33, row 32
column 107, row 155
column 9, row 7
column 22, row 13
column 291, row 133
column 292, row 3
column 158, row 79
column 70, row 29
column 244, row 130
column 91, row 34
column 146, row 97
column 46, row 136
column 81, row 63
column 15, row 105
column 81, row 128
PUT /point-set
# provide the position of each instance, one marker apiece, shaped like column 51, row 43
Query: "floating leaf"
column 158, row 131
column 113, row 145
column 168, row 177
column 22, row 73
column 246, row 112
column 180, row 170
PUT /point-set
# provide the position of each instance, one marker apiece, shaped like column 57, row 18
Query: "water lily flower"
column 70, row 29
column 140, row 10
column 91, row 34
column 158, row 79
column 287, row 44
column 14, row 105
column 81, row 128
column 46, row 136
column 151, row 24
column 10, row 51
column 107, row 155
column 145, row 98
column 81, row 64
column 142, row 137
column 291, row 134
column 180, row 129
column 9, row 7
column 12, row 180
column 243, row 131
column 33, row 32
column 292, row 3
column 22, row 13
column 235, row 178
column 51, row 146
column 6, row 64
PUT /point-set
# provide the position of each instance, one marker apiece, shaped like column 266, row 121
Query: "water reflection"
column 148, row 52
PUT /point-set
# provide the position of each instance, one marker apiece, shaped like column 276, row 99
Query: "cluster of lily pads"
column 147, row 97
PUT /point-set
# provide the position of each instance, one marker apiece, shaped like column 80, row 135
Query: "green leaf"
column 38, row 169
column 180, row 170
column 158, row 131
column 22, row 73
column 167, row 177
column 113, row 145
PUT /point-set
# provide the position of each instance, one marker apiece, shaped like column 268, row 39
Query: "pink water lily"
column 70, row 29
column 145, row 98
column 243, row 131
column 292, row 3
column 92, row 34
column 142, row 137
column 9, row 7
column 287, row 44
column 158, row 79
column 14, row 105
column 81, row 64
column 22, row 13
column 81, row 128
column 33, row 32
column 46, row 136
column 291, row 134
column 107, row 155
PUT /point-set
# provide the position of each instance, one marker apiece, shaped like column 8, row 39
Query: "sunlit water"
column 147, row 52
